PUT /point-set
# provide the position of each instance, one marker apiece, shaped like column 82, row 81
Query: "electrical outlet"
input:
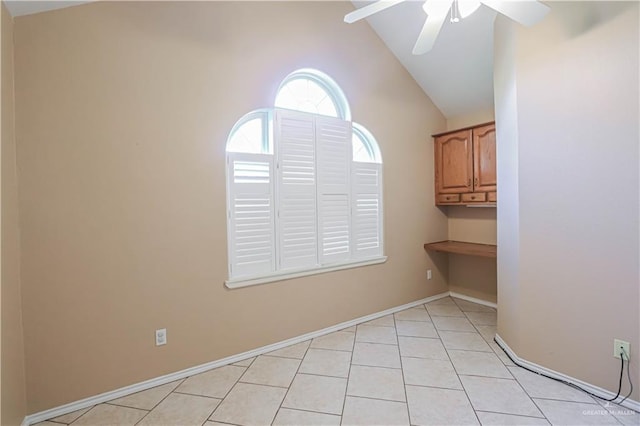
column 161, row 337
column 618, row 345
column 428, row 274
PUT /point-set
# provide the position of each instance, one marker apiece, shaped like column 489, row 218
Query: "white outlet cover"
column 428, row 274
column 617, row 344
column 161, row 337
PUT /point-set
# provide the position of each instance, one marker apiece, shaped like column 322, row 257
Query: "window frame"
column 325, row 82
column 281, row 276
column 266, row 114
column 369, row 142
column 270, row 147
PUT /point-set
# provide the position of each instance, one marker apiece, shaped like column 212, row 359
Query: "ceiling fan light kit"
column 525, row 12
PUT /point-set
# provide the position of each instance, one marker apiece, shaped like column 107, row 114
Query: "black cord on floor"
column 578, row 387
column 628, row 375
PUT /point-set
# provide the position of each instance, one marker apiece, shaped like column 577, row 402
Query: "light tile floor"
column 435, row 364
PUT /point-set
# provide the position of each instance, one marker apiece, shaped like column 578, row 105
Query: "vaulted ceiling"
column 457, row 74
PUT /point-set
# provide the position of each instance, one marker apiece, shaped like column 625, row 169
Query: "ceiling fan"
column 525, row 12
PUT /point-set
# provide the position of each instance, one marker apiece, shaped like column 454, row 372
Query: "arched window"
column 365, row 147
column 304, row 186
column 311, row 91
column 250, row 134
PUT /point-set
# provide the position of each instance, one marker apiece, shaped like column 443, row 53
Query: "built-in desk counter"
column 461, row 247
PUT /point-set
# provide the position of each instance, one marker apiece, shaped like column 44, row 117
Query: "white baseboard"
column 148, row 384
column 629, row 403
column 473, row 299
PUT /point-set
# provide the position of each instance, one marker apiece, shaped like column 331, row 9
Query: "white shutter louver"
column 367, row 209
column 251, row 214
column 297, row 215
column 333, row 143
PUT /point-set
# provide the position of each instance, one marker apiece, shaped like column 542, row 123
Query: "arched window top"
column 250, row 134
column 298, row 200
column 312, row 91
column 365, row 147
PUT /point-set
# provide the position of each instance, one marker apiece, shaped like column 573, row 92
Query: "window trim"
column 327, row 83
column 370, row 143
column 361, row 250
column 265, row 114
column 290, row 274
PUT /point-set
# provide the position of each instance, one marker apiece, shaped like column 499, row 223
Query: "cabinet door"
column 453, row 163
column 484, row 158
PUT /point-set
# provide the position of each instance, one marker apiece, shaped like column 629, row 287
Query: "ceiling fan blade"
column 430, row 31
column 369, row 10
column 525, row 12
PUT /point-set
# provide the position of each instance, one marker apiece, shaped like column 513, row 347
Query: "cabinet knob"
column 473, row 197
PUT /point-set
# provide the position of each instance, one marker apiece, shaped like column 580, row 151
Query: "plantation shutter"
column 333, row 144
column 367, row 209
column 251, row 214
column 297, row 214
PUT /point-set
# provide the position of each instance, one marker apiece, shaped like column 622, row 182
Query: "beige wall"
column 508, row 207
column 480, row 116
column 12, row 353
column 122, row 113
column 471, row 275
column 576, row 77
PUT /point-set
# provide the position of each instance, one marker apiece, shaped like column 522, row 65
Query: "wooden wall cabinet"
column 465, row 166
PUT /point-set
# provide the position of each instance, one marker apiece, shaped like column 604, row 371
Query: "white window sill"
column 279, row 276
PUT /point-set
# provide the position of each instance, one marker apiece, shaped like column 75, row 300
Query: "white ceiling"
column 457, row 74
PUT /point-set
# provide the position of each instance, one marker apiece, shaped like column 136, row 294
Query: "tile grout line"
column 235, row 383
column 378, row 343
column 375, row 325
column 514, row 378
column 195, row 394
column 378, row 366
column 332, row 349
column 595, row 402
column 292, row 380
column 456, row 371
column 264, row 384
column 306, row 410
column 62, row 423
column 537, row 406
column 509, row 414
column 128, row 406
column 404, row 384
column 83, row 414
column 563, row 400
column 436, row 387
column 165, row 397
column 235, row 364
column 145, row 409
column 280, row 357
column 304, row 373
column 327, row 349
column 224, row 423
column 344, row 399
column 487, row 377
column 475, row 327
